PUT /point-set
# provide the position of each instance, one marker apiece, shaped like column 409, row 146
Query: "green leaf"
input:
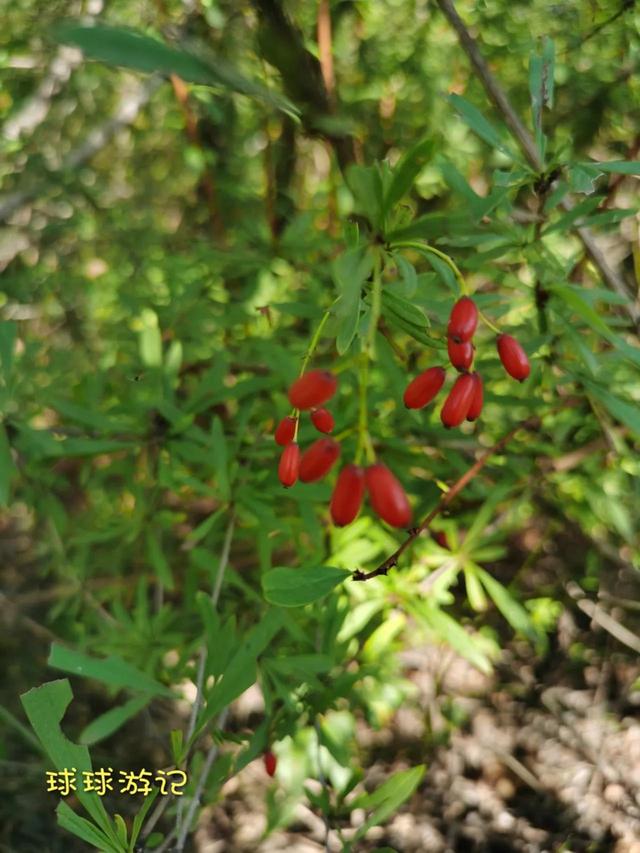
column 150, row 339
column 620, row 167
column 365, row 182
column 455, row 635
column 109, row 722
column 406, row 171
column 84, row 829
column 112, row 670
column 157, row 559
column 140, row 816
column 8, row 330
column 220, row 458
column 572, row 298
column 386, row 799
column 131, row 49
column 541, row 69
column 582, row 178
column 478, row 123
column 295, row 587
column 626, row 413
column 7, row 468
column 475, row 592
column 45, row 707
column 350, row 270
column 241, row 671
column 571, row 217
column 512, row 610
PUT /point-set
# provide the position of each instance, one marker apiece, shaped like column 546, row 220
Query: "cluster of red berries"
column 313, row 389
column 387, row 496
column 466, row 397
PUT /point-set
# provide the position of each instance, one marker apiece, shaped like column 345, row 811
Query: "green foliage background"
column 159, row 297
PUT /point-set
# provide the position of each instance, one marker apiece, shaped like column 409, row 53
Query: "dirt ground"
column 546, row 758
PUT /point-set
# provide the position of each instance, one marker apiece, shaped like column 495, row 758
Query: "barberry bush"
column 312, row 341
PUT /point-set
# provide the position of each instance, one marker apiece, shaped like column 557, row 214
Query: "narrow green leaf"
column 241, row 671
column 109, row 722
column 626, row 413
column 150, row 339
column 220, row 458
column 406, row 171
column 84, row 829
column 295, row 587
column 8, row 331
column 386, row 799
column 350, row 270
column 140, row 816
column 131, row 49
column 7, row 468
column 479, row 124
column 574, row 300
column 512, row 610
column 620, row 167
column 571, row 217
column 112, row 670
column 365, row 182
column 157, row 559
column 475, row 592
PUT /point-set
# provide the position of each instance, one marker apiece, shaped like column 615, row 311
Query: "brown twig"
column 181, row 91
column 445, row 500
column 530, row 150
column 325, row 50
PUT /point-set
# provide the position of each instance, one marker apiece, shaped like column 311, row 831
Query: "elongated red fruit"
column 312, row 389
column 463, row 320
column 476, row 401
column 421, row 390
column 318, row 459
column 388, row 498
column 322, row 419
column 347, row 496
column 289, row 465
column 513, row 357
column 457, row 404
column 285, row 431
column 440, row 537
column 460, row 355
column 270, row 762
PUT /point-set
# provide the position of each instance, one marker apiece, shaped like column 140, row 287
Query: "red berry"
column 440, row 537
column 387, row 496
column 513, row 357
column 270, row 762
column 322, row 420
column 347, row 496
column 460, row 355
column 457, row 404
column 289, row 465
column 285, row 431
column 476, row 401
column 318, row 459
column 463, row 320
column 421, row 390
column 312, row 389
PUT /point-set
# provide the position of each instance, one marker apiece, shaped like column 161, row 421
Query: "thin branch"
column 325, row 49
column 200, row 786
column 530, row 149
column 445, row 500
column 604, row 619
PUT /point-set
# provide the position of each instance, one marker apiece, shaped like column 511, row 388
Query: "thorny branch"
column 445, row 500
